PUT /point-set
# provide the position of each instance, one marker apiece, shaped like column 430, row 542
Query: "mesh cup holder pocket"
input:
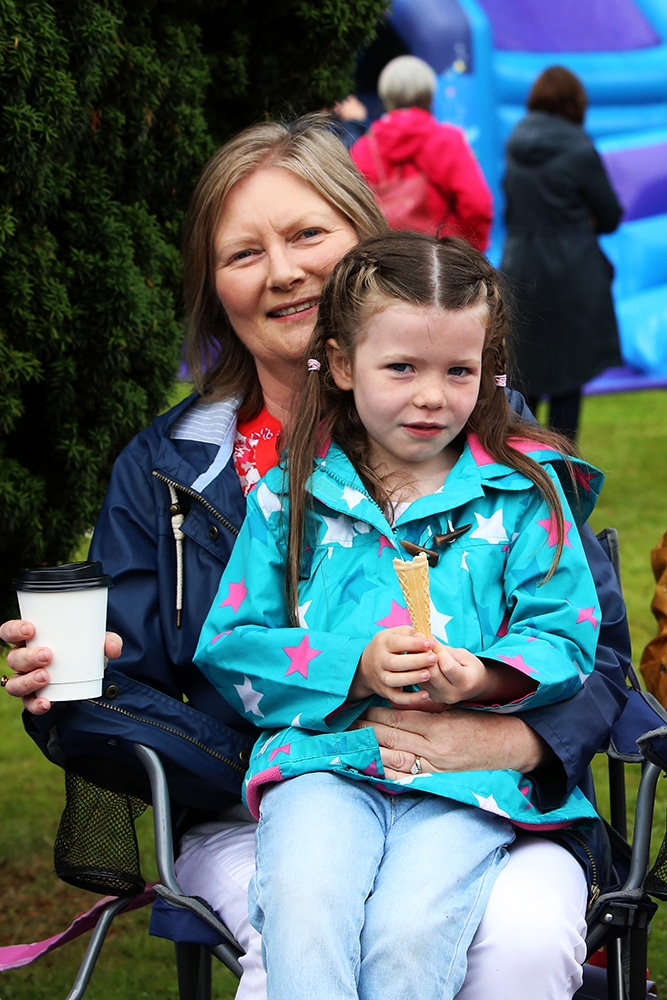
column 656, row 880
column 96, row 845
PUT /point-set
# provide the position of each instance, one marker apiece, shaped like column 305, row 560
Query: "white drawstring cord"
column 176, row 522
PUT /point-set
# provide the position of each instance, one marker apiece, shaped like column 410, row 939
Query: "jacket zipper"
column 200, row 499
column 344, row 483
column 169, row 729
column 595, row 888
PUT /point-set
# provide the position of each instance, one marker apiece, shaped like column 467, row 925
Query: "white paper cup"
column 68, row 606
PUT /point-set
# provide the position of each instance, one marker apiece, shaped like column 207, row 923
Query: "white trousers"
column 530, row 943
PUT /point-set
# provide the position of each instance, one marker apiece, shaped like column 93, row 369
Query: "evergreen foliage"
column 108, row 110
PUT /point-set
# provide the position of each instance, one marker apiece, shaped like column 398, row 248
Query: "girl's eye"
column 400, row 367
column 458, row 370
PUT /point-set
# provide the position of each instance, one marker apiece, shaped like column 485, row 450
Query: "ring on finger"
column 3, row 680
column 417, row 766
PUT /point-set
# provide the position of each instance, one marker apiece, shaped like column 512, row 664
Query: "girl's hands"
column 400, row 657
column 396, row 658
column 460, row 676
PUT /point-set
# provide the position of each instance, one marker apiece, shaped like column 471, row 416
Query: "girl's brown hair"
column 217, row 361
column 447, row 274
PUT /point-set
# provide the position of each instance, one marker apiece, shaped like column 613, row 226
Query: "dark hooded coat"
column 558, row 198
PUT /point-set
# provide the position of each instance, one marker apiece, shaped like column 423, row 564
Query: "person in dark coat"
column 558, row 198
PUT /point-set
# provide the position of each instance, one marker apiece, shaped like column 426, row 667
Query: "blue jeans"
column 361, row 894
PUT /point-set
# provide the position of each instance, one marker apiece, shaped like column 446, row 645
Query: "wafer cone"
column 413, row 578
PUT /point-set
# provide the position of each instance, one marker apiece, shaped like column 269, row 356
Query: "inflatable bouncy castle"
column 487, row 53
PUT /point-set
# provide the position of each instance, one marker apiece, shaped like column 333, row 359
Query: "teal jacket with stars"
column 487, row 593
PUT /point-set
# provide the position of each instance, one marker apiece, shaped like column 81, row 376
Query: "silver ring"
column 417, row 766
column 3, row 680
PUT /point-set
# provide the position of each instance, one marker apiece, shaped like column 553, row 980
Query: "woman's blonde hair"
column 446, row 274
column 217, row 361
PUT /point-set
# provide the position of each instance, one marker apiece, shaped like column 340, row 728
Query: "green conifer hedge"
column 108, row 110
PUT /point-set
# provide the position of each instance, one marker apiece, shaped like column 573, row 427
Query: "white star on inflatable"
column 490, row 528
column 296, row 721
column 268, row 501
column 250, row 697
column 464, row 560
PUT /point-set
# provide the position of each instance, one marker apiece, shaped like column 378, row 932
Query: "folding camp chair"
column 618, row 921
column 197, row 932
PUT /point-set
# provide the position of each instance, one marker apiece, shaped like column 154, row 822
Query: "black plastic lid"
column 69, row 576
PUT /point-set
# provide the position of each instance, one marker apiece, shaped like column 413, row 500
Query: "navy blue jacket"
column 144, row 689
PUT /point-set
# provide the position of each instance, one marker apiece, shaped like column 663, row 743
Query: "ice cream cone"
column 413, row 578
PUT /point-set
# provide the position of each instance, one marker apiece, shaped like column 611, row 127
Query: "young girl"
column 367, row 887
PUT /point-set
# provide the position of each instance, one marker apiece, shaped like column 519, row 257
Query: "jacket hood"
column 540, row 137
column 401, row 134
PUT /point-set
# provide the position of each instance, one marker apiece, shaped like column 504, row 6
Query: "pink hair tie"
column 313, row 365
column 500, row 380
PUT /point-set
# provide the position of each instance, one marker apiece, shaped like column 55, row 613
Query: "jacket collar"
column 336, row 484
column 209, row 424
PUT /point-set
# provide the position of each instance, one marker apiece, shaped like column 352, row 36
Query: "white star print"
column 439, row 623
column 407, row 779
column 303, row 611
column 361, row 528
column 267, row 744
column 490, row 528
column 268, row 501
column 339, row 529
column 250, row 697
column 490, row 804
column 352, row 497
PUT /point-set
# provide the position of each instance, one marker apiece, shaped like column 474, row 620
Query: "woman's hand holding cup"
column 30, row 663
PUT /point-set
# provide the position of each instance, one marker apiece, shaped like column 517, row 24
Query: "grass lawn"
column 624, row 434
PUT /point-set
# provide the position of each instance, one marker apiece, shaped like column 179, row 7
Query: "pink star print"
column 218, row 636
column 235, row 596
column 504, row 625
column 397, row 616
column 551, row 527
column 584, row 478
column 300, row 656
column 586, row 615
column 372, row 770
column 384, row 543
column 518, row 663
column 285, row 748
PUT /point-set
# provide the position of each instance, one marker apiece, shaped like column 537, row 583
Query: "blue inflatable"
column 487, row 53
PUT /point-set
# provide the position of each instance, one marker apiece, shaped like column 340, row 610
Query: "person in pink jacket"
column 408, row 140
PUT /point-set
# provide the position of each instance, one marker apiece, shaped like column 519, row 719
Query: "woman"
column 409, row 141
column 558, row 198
column 273, row 212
